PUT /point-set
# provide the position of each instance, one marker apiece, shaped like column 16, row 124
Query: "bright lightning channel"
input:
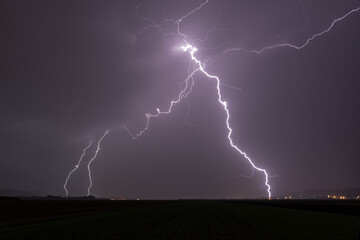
column 76, row 167
column 92, row 159
column 192, row 50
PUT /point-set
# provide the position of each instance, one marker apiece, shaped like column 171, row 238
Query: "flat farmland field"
column 182, row 219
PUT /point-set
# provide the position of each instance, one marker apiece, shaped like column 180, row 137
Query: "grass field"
column 191, row 220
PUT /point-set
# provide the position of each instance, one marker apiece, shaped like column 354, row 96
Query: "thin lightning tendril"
column 188, row 115
column 298, row 47
column 92, row 159
column 76, row 167
column 183, row 94
column 191, row 12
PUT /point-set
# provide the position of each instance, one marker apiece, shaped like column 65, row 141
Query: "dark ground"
column 186, row 219
column 348, row 207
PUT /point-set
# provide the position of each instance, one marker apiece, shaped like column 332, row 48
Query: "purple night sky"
column 73, row 69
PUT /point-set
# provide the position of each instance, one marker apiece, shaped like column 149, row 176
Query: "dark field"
column 186, row 219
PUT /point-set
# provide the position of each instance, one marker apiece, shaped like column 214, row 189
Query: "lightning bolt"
column 75, row 168
column 93, row 158
column 199, row 67
column 192, row 50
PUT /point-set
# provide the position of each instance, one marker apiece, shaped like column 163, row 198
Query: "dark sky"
column 72, row 69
